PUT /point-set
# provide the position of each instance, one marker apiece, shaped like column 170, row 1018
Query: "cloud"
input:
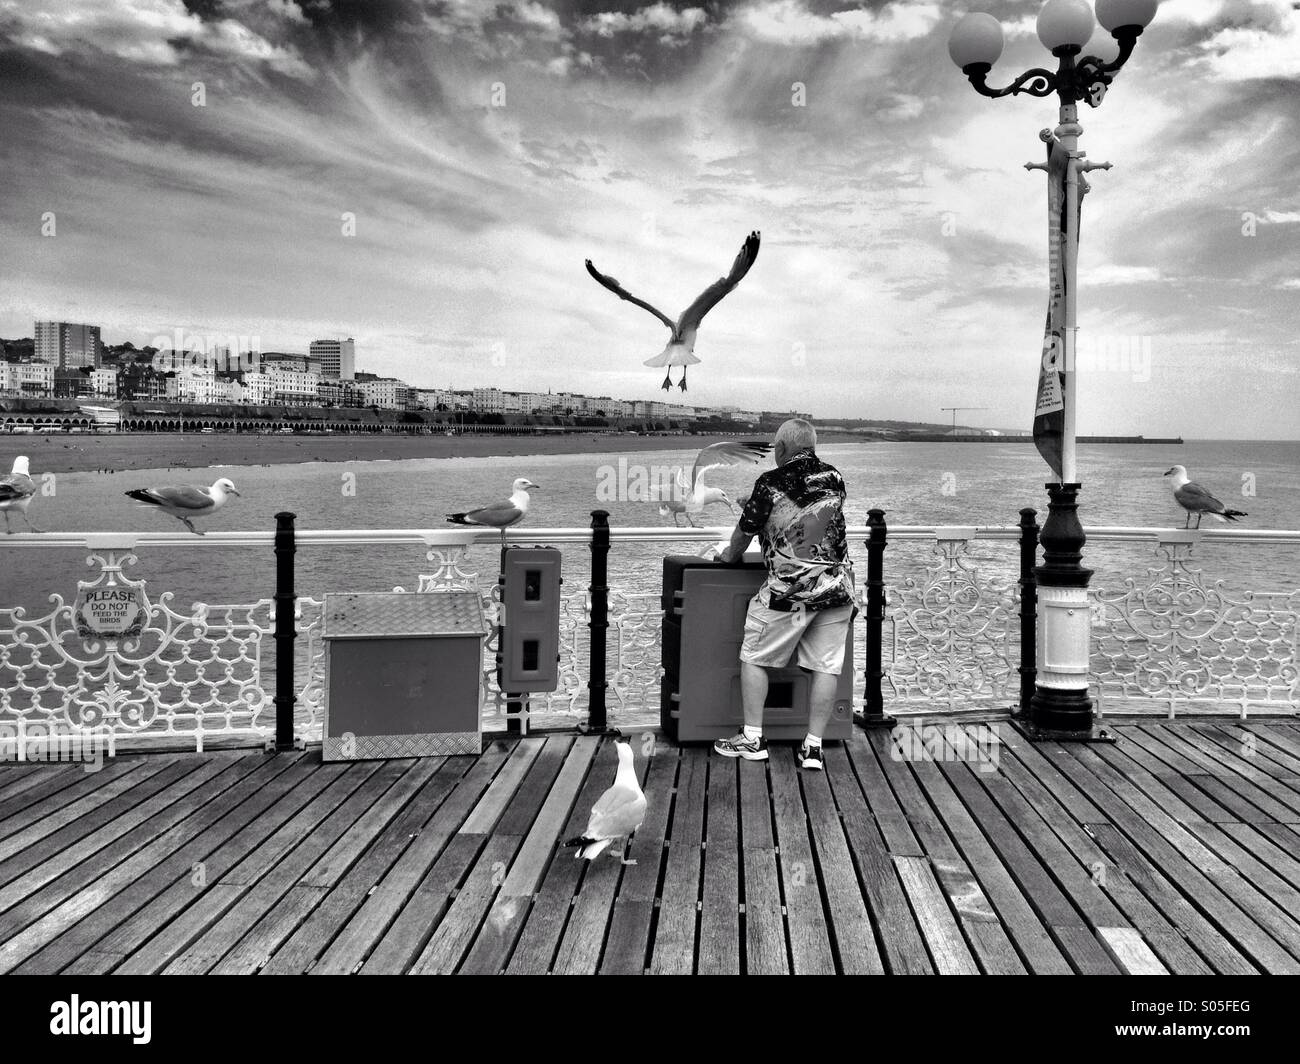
column 657, row 18
column 791, row 22
column 1268, row 50
column 150, row 32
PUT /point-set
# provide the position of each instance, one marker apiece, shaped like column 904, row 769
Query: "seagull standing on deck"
column 694, row 495
column 681, row 347
column 501, row 514
column 185, row 503
column 1196, row 500
column 17, row 489
column 617, row 813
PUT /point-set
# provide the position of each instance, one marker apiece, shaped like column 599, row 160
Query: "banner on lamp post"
column 1049, row 409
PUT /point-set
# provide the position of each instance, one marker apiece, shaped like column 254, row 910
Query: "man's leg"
column 821, row 700
column 753, row 693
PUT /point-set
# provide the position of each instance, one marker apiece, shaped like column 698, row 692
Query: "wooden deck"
column 1177, row 850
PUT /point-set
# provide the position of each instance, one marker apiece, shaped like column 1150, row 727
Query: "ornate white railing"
column 1172, row 640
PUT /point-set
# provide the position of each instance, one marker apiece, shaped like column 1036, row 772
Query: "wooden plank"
column 810, row 944
column 55, row 788
column 51, row 856
column 144, row 944
column 766, row 950
column 465, row 919
column 628, row 942
column 545, row 922
column 301, row 950
column 325, row 820
column 490, row 807
column 1164, row 937
column 78, row 922
column 674, row 942
column 720, row 895
column 584, row 936
column 894, row 824
column 1130, row 951
column 1031, row 938
column 1270, row 796
column 400, row 780
column 18, row 776
column 408, row 884
column 1153, row 830
column 1269, row 762
column 854, row 940
column 133, row 829
column 951, row 955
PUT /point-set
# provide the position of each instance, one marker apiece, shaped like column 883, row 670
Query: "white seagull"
column 691, row 497
column 681, row 347
column 501, row 514
column 185, row 503
column 1196, row 500
column 17, row 490
column 617, row 813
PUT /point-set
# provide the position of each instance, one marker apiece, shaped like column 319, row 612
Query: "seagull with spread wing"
column 691, row 497
column 17, row 489
column 617, row 813
column 681, row 346
column 501, row 514
column 1196, row 500
column 188, row 502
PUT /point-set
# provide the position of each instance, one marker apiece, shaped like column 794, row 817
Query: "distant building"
column 104, row 382
column 291, row 385
column 68, row 345
column 27, row 378
column 334, row 392
column 195, row 384
column 286, row 360
column 256, row 389
column 488, row 401
column 338, row 358
column 72, row 384
column 387, row 393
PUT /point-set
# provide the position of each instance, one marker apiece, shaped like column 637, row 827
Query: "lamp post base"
column 1036, row 734
column 1060, row 703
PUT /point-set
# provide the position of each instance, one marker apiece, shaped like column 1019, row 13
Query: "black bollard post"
column 1028, row 668
column 516, row 703
column 286, row 630
column 874, row 715
column 599, row 623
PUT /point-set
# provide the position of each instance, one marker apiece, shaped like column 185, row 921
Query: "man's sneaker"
column 811, row 757
column 740, row 746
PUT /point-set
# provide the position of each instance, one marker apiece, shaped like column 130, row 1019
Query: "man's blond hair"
column 796, row 435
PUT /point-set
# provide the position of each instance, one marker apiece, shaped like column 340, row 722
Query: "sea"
column 947, row 484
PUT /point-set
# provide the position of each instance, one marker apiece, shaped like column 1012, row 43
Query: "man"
column 808, row 598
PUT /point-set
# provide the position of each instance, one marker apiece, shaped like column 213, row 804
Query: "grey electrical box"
column 403, row 675
column 703, row 627
column 530, row 599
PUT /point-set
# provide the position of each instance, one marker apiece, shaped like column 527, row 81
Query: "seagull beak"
column 231, row 491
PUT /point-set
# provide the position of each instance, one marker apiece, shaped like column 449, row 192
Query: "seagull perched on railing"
column 17, row 489
column 501, row 514
column 692, row 496
column 617, row 813
column 1196, row 500
column 681, row 347
column 185, row 503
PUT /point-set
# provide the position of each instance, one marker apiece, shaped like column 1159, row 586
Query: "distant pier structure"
column 948, row 437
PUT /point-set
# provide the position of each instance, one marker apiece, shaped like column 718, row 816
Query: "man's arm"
column 735, row 551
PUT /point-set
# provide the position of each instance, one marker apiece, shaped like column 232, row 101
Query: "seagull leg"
column 8, row 531
column 30, row 526
column 623, row 858
column 186, row 522
column 683, row 384
column 668, row 380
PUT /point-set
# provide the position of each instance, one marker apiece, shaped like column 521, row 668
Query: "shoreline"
column 120, row 451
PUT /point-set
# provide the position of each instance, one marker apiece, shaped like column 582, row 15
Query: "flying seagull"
column 691, row 497
column 1196, row 500
column 501, row 514
column 188, row 502
column 16, row 492
column 681, row 347
column 617, row 813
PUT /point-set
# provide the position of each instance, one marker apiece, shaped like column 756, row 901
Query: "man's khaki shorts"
column 771, row 636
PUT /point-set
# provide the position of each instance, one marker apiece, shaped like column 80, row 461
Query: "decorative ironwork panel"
column 173, row 676
column 950, row 634
column 1182, row 641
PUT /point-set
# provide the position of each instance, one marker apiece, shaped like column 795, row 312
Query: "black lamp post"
column 1060, row 706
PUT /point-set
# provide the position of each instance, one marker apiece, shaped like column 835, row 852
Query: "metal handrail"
column 434, row 537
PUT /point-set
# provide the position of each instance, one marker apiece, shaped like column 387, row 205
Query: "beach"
column 77, row 453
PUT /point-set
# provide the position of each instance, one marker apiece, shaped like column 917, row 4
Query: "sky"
column 428, row 176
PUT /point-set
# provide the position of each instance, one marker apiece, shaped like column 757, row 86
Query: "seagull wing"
column 623, row 293
column 185, row 498
column 1191, row 496
column 727, row 453
column 694, row 314
column 15, row 486
column 618, row 812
